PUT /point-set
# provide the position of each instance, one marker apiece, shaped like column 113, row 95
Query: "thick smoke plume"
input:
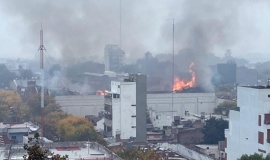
column 80, row 30
column 75, row 30
column 202, row 27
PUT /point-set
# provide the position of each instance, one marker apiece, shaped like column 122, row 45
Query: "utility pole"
column 41, row 49
column 120, row 21
column 172, row 65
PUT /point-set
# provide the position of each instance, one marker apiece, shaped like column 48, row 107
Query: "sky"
column 79, row 30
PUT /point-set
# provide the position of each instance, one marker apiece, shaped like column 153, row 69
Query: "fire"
column 180, row 84
column 102, row 93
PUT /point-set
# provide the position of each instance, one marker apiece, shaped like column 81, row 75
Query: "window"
column 133, row 116
column 133, row 105
column 133, row 126
column 259, row 120
column 260, row 137
column 13, row 137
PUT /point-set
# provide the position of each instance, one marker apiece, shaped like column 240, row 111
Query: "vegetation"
column 11, row 101
column 214, row 130
column 255, row 156
column 137, row 153
column 36, row 152
column 74, row 128
column 225, row 107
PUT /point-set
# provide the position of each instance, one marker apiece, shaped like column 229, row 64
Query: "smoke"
column 203, row 27
column 80, row 30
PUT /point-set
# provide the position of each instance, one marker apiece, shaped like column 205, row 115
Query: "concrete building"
column 113, row 58
column 81, row 105
column 196, row 103
column 125, row 109
column 14, row 132
column 76, row 150
column 249, row 129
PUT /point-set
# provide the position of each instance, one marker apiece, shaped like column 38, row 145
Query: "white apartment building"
column 125, row 107
column 249, row 128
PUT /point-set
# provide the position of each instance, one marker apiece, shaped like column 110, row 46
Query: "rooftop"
column 258, row 87
column 74, row 150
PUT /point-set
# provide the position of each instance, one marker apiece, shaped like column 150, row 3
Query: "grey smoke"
column 81, row 29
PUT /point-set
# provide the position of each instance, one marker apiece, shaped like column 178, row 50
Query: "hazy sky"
column 80, row 29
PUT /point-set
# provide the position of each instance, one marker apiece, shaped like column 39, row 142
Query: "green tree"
column 225, row 107
column 36, row 152
column 214, row 130
column 255, row 156
column 137, row 153
column 50, row 124
column 74, row 128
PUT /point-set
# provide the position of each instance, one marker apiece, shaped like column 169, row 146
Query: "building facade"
column 113, row 58
column 125, row 107
column 249, row 128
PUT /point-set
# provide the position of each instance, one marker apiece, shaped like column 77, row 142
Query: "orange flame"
column 180, row 84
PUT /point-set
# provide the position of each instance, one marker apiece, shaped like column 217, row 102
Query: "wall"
column 184, row 151
column 161, row 118
column 192, row 102
column 81, row 105
column 141, row 103
column 128, row 100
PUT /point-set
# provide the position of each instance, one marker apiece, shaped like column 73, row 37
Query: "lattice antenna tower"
column 41, row 49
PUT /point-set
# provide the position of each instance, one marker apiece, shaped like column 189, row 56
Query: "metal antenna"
column 172, row 66
column 41, row 49
column 120, row 21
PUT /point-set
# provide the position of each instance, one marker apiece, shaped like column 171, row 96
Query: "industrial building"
column 249, row 128
column 125, row 109
column 113, row 58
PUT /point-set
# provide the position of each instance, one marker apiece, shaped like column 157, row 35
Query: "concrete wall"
column 182, row 150
column 128, row 100
column 81, row 105
column 161, row 118
column 141, row 103
column 192, row 102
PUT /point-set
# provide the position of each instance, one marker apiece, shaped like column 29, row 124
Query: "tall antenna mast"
column 41, row 49
column 120, row 21
column 173, row 66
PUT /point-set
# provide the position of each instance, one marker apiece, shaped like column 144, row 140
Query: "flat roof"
column 257, row 87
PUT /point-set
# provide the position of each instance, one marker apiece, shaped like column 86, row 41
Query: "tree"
column 225, row 107
column 137, row 153
column 5, row 76
column 36, row 152
column 214, row 130
column 74, row 128
column 34, row 103
column 11, row 101
column 50, row 124
column 255, row 156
